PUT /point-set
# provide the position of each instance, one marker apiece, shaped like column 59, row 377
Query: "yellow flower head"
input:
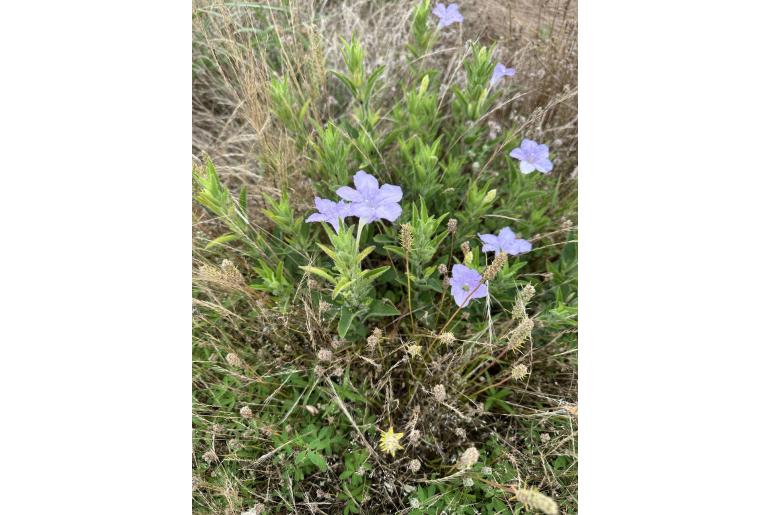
column 389, row 441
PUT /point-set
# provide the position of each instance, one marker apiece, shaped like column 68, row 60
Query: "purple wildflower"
column 447, row 15
column 500, row 72
column 330, row 211
column 370, row 201
column 463, row 281
column 506, row 242
column 532, row 156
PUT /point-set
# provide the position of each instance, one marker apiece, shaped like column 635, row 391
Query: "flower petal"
column 366, row 184
column 315, row 217
column 390, row 193
column 516, row 153
column 544, row 165
column 389, row 211
column 325, row 205
column 526, row 167
column 350, row 194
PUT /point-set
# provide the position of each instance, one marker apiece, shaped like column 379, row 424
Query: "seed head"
column 446, row 338
column 439, row 392
column 442, row 269
column 246, row 412
column 323, row 306
column 466, row 248
column 210, row 456
column 520, row 334
column 491, row 271
column 325, row 355
column 414, row 350
column 414, row 436
column 406, row 236
column 451, row 225
column 467, row 482
column 414, row 465
column 231, row 273
column 461, row 434
column 527, row 293
column 389, row 441
column 373, row 339
column 469, row 458
column 519, row 372
column 532, row 499
column 233, row 360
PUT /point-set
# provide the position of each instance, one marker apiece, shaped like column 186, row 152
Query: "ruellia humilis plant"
column 385, row 288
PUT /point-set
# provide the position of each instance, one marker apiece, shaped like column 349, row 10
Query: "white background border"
column 96, row 257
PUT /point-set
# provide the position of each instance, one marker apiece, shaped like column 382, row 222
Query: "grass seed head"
column 519, row 372
column 451, row 225
column 532, row 499
column 491, row 271
column 469, row 458
column 233, row 360
column 439, row 393
column 246, row 412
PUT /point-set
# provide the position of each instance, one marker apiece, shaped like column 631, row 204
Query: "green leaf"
column 319, row 272
column 317, row 460
column 371, row 275
column 344, row 283
column 383, row 308
column 346, row 317
column 221, row 240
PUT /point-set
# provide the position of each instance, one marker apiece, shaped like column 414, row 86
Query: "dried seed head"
column 467, row 482
column 527, row 293
column 373, row 339
column 323, row 306
column 231, row 273
column 519, row 372
column 325, row 355
column 406, row 236
column 446, row 338
column 233, row 360
column 491, row 271
column 487, row 471
column 414, row 436
column 210, row 456
column 414, row 350
column 469, row 458
column 336, row 343
column 246, row 412
column 312, row 284
column 566, row 224
column 442, row 269
column 439, row 392
column 318, row 370
column 451, row 225
column 217, row 429
column 532, row 499
column 520, row 334
column 461, row 434
column 414, row 465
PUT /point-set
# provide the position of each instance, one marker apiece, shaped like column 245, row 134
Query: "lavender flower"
column 447, row 15
column 506, row 242
column 370, row 201
column 464, row 280
column 532, row 156
column 330, row 211
column 500, row 72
